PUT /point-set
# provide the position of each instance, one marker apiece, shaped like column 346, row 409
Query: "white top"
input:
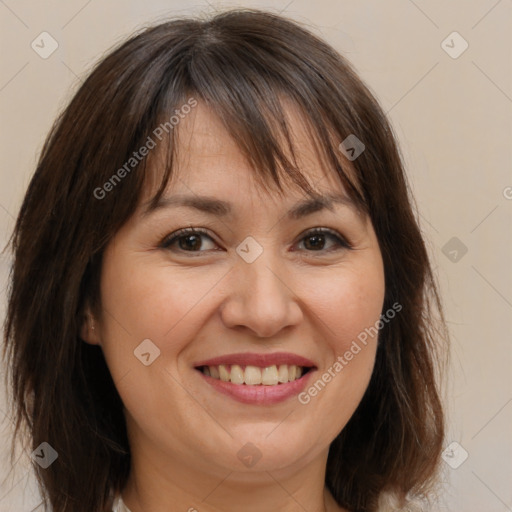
column 119, row 505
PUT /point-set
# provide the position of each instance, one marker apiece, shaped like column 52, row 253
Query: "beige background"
column 453, row 116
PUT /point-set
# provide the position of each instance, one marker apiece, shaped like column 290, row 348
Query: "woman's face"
column 259, row 290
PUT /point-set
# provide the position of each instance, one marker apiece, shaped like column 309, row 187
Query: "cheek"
column 147, row 300
column 151, row 301
column 348, row 306
column 348, row 302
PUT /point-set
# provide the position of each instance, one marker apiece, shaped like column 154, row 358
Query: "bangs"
column 252, row 91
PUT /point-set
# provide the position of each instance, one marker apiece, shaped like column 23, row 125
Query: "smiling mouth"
column 254, row 375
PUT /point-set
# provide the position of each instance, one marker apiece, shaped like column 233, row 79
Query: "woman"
column 220, row 298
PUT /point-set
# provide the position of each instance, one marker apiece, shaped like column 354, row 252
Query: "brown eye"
column 316, row 240
column 187, row 240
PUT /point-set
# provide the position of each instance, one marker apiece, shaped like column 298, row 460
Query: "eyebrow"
column 220, row 208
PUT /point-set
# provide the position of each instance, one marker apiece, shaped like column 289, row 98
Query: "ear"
column 89, row 329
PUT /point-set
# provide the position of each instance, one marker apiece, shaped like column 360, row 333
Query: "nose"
column 261, row 298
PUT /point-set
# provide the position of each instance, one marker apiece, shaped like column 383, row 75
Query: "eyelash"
column 181, row 233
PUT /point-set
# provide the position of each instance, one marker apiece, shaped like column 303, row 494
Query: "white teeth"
column 269, row 375
column 237, row 374
column 223, row 372
column 253, row 375
column 283, row 373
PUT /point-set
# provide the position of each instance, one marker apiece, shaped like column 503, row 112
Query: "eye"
column 191, row 240
column 315, row 240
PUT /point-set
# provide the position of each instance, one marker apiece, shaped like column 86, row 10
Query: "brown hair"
column 242, row 64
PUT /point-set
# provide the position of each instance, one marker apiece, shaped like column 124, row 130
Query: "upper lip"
column 261, row 360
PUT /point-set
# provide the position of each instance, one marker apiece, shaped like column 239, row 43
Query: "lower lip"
column 259, row 394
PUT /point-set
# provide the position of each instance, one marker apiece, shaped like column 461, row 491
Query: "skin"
column 184, row 435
